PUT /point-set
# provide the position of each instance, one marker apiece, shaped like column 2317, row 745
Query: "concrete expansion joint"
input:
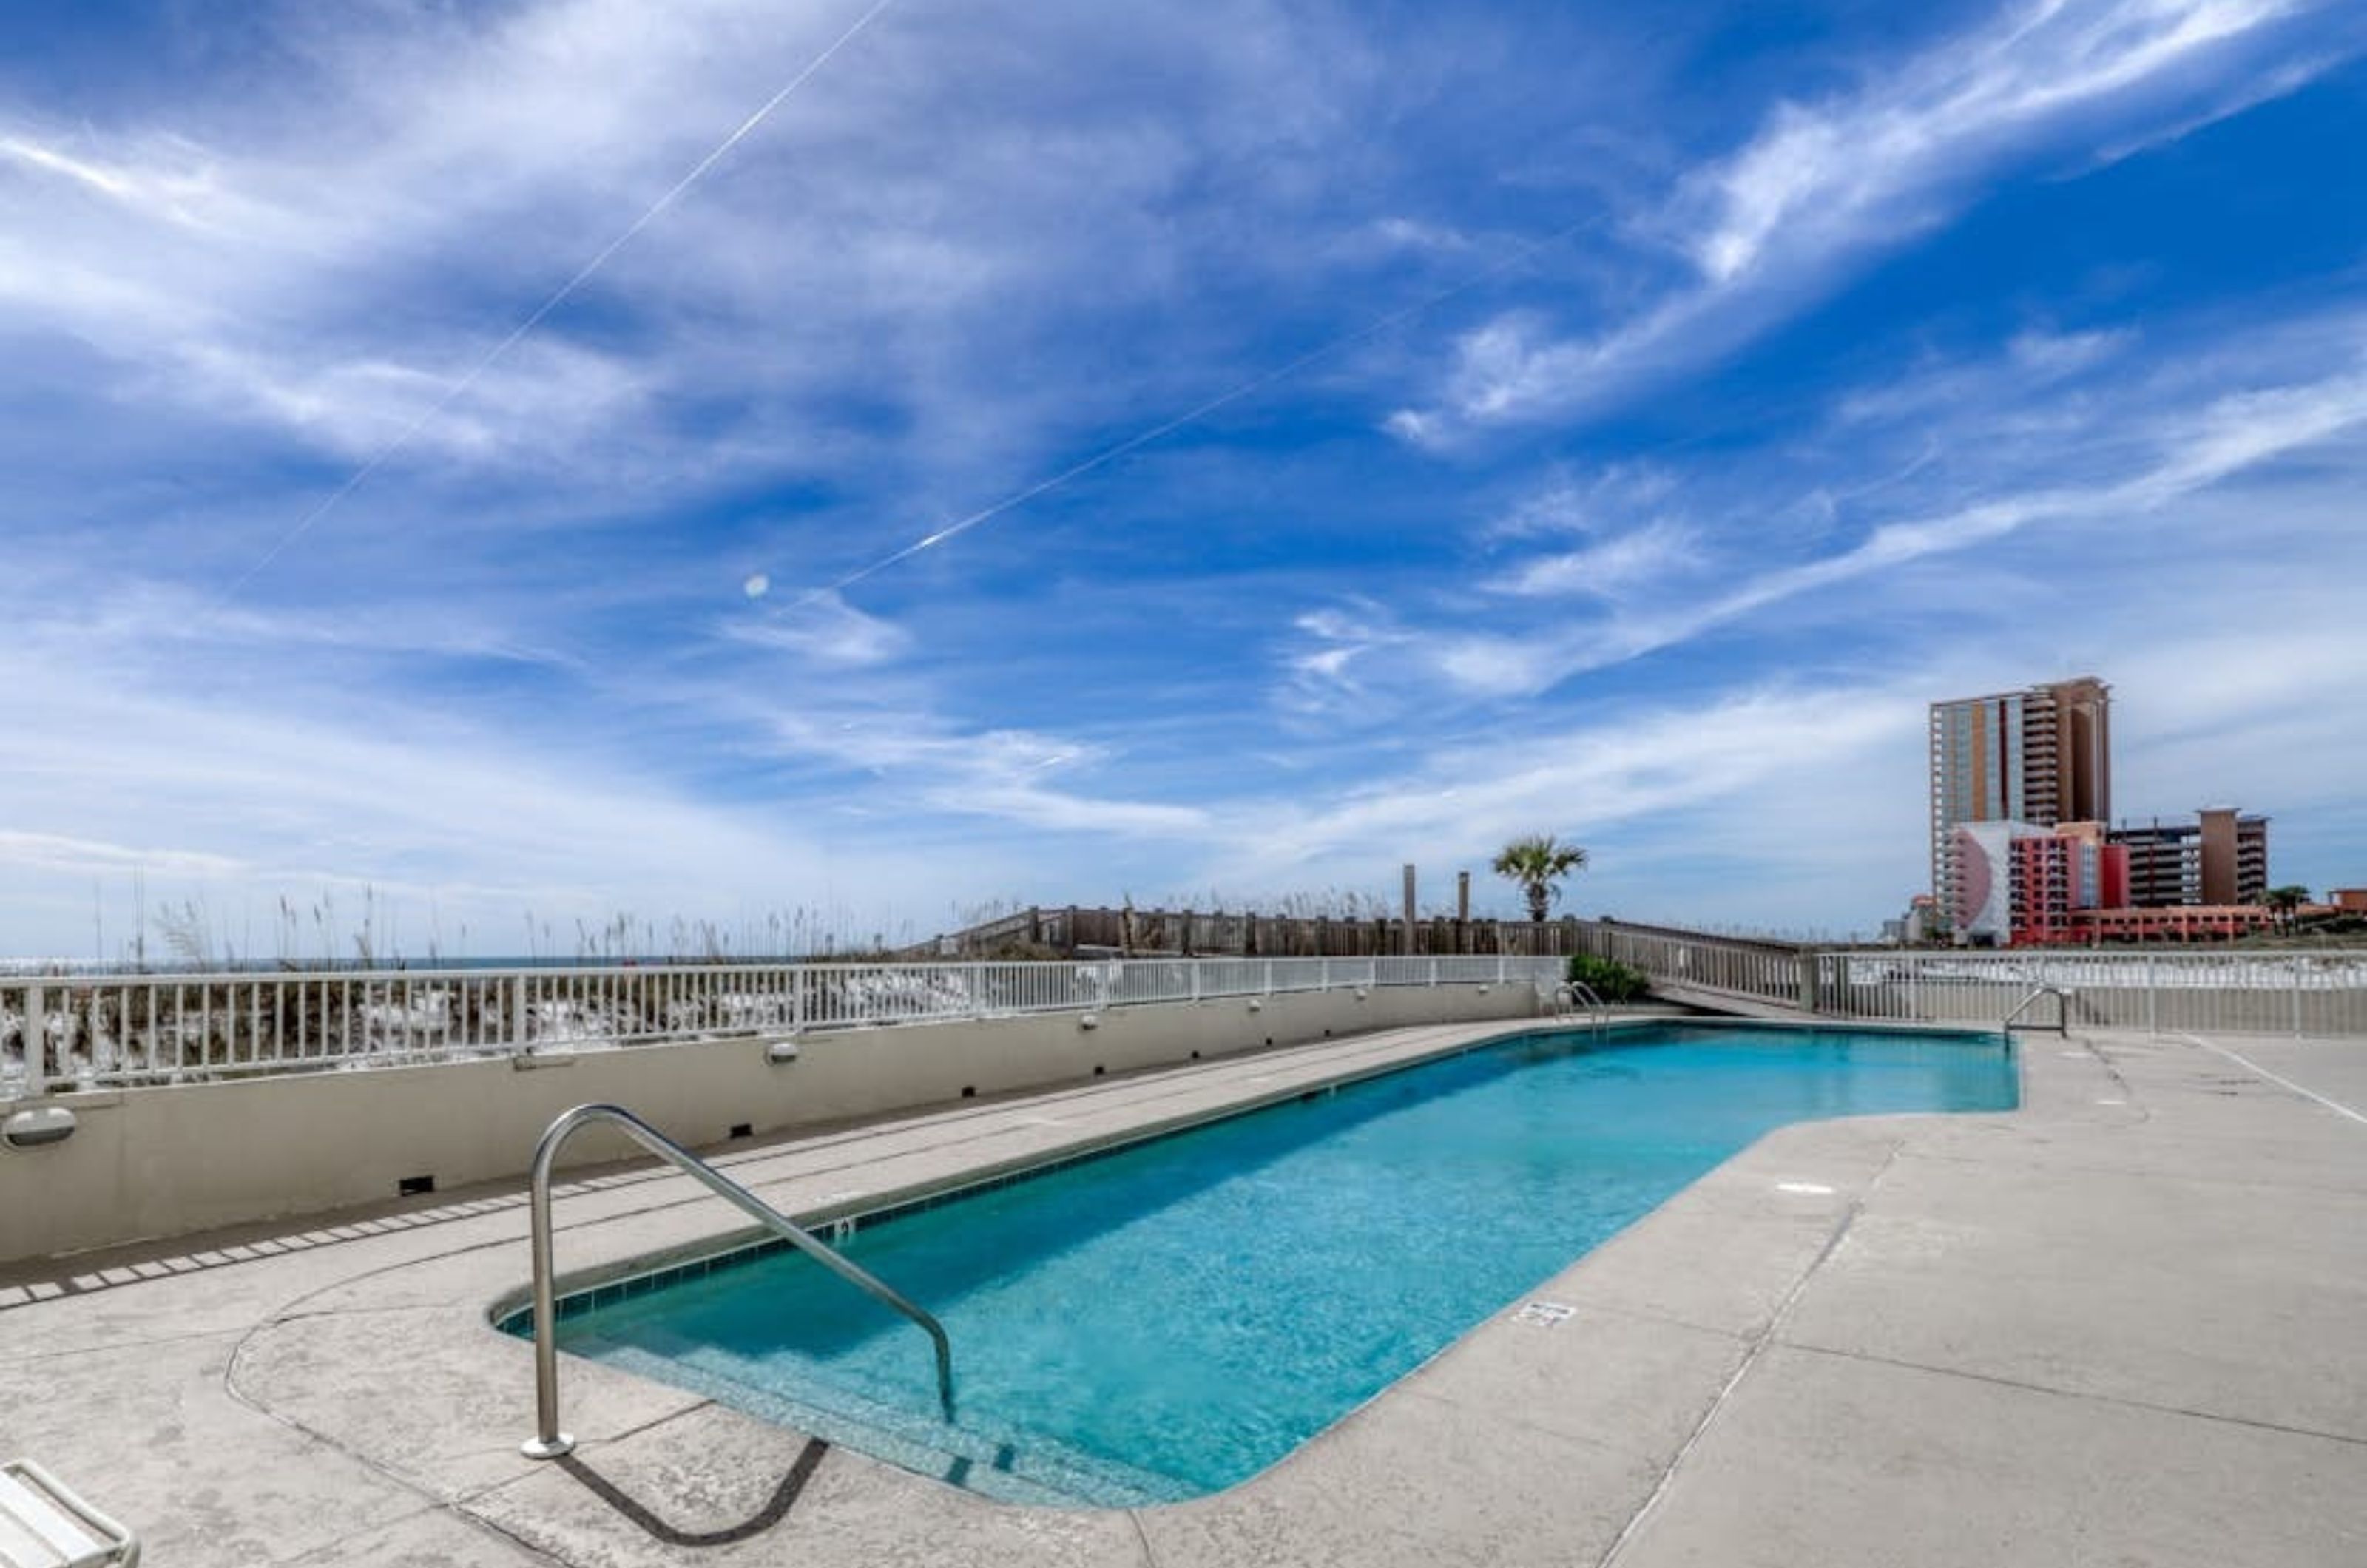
column 1758, row 1343
column 2085, row 1396
column 328, row 1441
column 335, row 1550
column 2124, row 1099
column 1142, row 1536
column 116, row 1346
column 307, row 1315
column 433, row 1500
column 502, row 1532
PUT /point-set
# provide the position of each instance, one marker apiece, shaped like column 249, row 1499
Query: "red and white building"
column 2018, row 883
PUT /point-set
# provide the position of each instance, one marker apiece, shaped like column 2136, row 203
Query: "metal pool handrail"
column 2062, row 1009
column 549, row 1441
column 1569, row 993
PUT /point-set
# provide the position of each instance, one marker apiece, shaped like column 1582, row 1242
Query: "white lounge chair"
column 44, row 1525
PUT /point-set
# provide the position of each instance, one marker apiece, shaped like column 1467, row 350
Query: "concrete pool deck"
column 2126, row 1324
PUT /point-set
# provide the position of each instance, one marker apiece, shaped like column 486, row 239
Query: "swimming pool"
column 1162, row 1320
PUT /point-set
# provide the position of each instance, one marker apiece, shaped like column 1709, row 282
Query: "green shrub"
column 1610, row 980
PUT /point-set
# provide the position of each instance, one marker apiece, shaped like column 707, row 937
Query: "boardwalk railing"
column 62, row 1032
column 1742, row 968
column 2252, row 991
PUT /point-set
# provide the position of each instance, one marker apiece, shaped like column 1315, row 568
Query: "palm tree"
column 1538, row 862
column 2285, row 900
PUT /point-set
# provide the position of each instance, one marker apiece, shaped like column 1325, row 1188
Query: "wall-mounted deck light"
column 1090, row 1021
column 31, row 1129
column 781, row 1053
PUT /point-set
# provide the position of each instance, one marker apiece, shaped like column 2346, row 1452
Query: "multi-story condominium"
column 2040, row 756
column 2219, row 859
column 2164, row 864
column 2019, row 883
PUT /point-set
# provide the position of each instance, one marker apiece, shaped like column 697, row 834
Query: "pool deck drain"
column 2080, row 1331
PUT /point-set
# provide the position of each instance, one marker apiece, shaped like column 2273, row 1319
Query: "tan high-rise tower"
column 2043, row 755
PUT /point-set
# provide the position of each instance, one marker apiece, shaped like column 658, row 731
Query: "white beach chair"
column 44, row 1525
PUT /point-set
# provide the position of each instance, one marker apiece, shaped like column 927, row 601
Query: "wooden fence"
column 1074, row 930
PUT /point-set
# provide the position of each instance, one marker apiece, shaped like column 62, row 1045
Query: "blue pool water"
column 1167, row 1319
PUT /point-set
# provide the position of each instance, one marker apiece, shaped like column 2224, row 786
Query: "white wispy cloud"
column 1619, row 567
column 920, row 764
column 180, row 189
column 1606, row 500
column 827, row 629
column 87, row 857
column 1825, row 185
column 2016, row 446
column 243, row 802
column 290, row 260
column 545, row 401
column 1819, row 178
column 2036, row 361
column 1585, row 779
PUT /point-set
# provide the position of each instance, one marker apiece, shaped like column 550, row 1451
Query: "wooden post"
column 1409, row 908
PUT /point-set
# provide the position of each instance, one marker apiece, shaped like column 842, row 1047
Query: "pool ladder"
column 549, row 1441
column 1567, row 997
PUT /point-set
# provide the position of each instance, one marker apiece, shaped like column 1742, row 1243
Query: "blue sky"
column 1467, row 420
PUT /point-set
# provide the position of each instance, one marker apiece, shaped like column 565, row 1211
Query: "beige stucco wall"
column 165, row 1162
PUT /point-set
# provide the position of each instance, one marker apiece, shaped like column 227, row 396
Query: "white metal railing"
column 2253, row 991
column 2237, row 992
column 62, row 1033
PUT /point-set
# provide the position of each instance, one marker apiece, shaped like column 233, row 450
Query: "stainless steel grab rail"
column 2062, row 1009
column 549, row 1441
column 1569, row 993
